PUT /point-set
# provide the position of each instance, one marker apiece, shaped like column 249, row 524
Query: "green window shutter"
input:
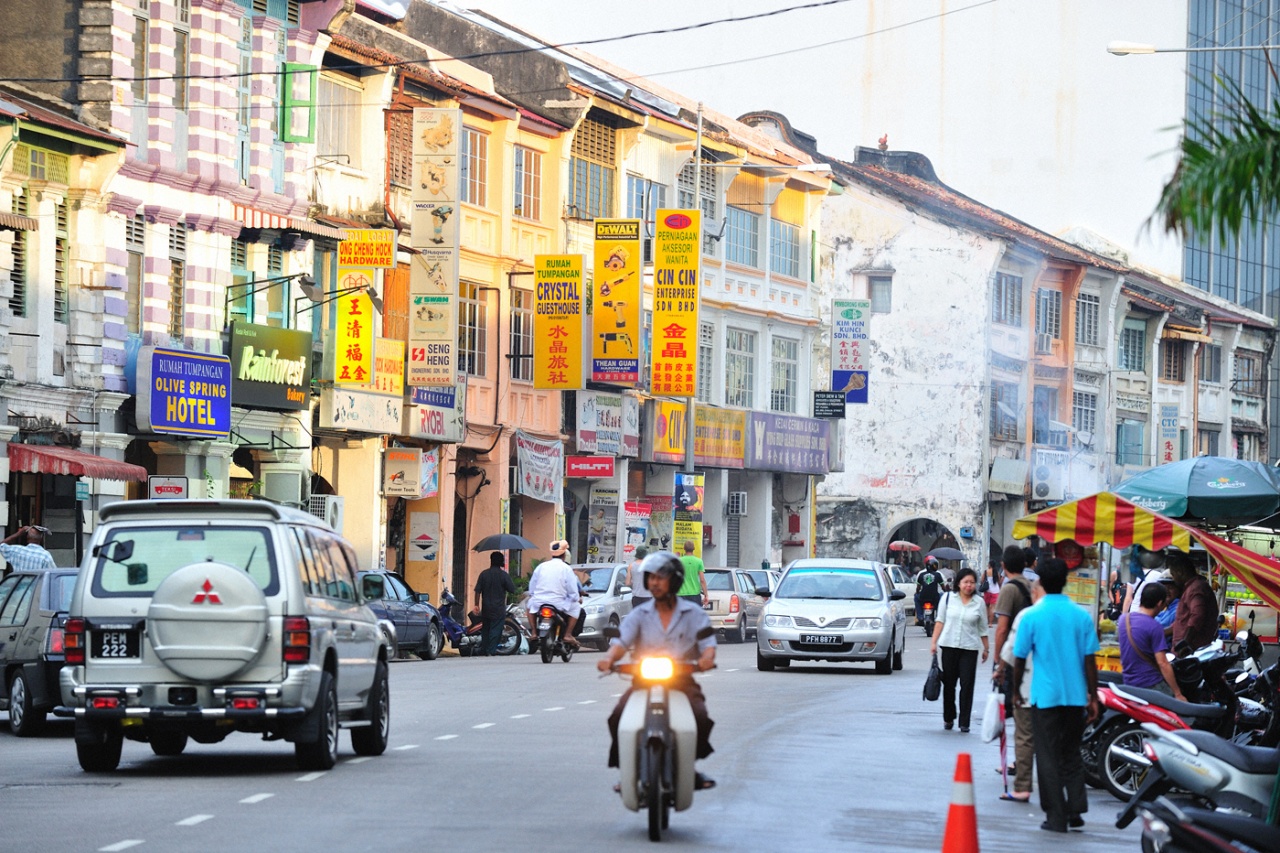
column 298, row 121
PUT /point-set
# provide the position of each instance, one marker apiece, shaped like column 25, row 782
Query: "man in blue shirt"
column 1062, row 638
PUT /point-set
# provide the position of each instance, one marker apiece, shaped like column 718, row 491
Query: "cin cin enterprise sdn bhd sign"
column 183, row 393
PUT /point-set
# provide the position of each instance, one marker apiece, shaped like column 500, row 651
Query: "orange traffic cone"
column 962, row 820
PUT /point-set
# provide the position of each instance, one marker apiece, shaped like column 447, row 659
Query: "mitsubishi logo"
column 207, row 595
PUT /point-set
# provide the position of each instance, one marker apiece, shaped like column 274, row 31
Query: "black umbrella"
column 947, row 553
column 504, row 542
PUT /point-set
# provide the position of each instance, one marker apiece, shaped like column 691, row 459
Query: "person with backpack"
column 1015, row 596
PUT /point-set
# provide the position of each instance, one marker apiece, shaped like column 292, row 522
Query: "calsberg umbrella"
column 504, row 542
column 1214, row 488
column 947, row 554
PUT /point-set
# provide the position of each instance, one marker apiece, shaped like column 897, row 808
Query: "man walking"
column 492, row 588
column 1061, row 637
column 1197, row 619
column 694, row 588
column 24, row 550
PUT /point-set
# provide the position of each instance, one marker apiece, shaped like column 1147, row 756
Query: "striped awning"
column 18, row 222
column 48, row 459
column 1109, row 518
column 254, row 218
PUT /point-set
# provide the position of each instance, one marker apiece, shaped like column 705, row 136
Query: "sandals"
column 1014, row 798
column 703, row 783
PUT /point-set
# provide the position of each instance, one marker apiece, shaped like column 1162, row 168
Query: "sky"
column 1016, row 102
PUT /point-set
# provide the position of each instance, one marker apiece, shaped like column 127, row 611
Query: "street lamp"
column 304, row 279
column 1125, row 48
column 318, row 296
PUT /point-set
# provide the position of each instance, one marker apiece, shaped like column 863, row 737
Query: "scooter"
column 928, row 617
column 551, row 625
column 467, row 640
column 1176, row 828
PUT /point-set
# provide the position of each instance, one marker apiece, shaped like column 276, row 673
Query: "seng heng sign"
column 183, row 393
column 271, row 368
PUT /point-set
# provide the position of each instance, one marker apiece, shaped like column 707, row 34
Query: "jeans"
column 1058, row 766
column 491, row 635
column 958, row 665
column 1024, row 750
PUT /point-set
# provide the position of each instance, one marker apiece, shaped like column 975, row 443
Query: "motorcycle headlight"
column 656, row 669
column 777, row 622
column 866, row 624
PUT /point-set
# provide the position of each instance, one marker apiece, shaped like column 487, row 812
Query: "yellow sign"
column 677, row 253
column 719, row 435
column 388, row 367
column 353, row 332
column 615, row 319
column 367, row 247
column 557, row 321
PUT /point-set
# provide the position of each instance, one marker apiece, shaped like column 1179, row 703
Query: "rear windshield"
column 718, row 580
column 846, row 584
column 160, row 551
column 60, row 588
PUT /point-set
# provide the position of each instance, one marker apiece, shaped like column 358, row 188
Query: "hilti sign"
column 594, row 467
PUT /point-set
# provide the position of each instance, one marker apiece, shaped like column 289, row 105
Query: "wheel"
column 897, row 655
column 431, row 643
column 653, row 790
column 763, row 663
column 885, row 665
column 24, row 719
column 321, row 753
column 740, row 635
column 782, row 663
column 98, row 746
column 168, row 742
column 509, row 643
column 566, row 652
column 547, row 649
column 1119, row 776
column 372, row 740
column 1093, row 734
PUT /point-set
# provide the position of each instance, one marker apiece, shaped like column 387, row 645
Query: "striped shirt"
column 27, row 558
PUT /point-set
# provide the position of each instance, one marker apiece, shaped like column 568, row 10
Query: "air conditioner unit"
column 1044, row 344
column 327, row 508
column 737, row 504
column 1047, row 475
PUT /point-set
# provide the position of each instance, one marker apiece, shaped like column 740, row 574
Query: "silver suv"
column 194, row 619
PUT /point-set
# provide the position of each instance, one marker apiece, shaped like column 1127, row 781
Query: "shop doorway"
column 461, row 551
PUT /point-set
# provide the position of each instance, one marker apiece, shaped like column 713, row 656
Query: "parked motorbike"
column 467, row 640
column 551, row 625
column 1178, row 828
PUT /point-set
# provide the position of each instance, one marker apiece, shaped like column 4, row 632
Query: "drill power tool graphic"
column 613, row 337
column 617, row 305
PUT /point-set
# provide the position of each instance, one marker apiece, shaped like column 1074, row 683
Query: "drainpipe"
column 1153, row 414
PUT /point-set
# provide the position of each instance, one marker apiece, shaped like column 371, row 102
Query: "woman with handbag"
column 961, row 630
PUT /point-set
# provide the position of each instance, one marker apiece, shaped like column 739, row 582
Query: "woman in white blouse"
column 961, row 630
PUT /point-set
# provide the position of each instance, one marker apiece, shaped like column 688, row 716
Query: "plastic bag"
column 933, row 682
column 993, row 717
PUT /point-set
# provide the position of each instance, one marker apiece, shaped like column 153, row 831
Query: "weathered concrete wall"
column 40, row 40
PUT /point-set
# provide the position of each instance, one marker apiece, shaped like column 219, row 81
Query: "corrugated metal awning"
column 1181, row 335
column 254, row 218
column 1008, row 476
column 47, row 459
column 17, row 222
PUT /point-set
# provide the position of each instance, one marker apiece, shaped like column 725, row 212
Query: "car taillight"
column 245, row 703
column 73, row 640
column 297, row 639
column 546, row 612
column 733, row 603
column 104, row 703
column 55, row 642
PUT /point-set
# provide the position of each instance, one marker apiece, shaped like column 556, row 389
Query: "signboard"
column 602, row 525
column 183, row 393
column 82, row 490
column 687, row 512
column 433, row 276
column 788, row 443
column 409, row 472
column 557, row 321
column 850, row 333
column 615, row 317
column 388, row 367
column 271, row 368
column 360, row 410
column 367, row 247
column 353, row 332
column 589, row 467
column 424, row 535
column 600, row 427
column 660, row 522
column 439, row 414
column 433, row 323
column 166, row 488
column 720, row 435
column 828, row 404
column 677, row 252
column 539, row 468
column 635, row 522
column 1169, row 451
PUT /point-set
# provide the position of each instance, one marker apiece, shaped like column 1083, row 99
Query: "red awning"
column 45, row 459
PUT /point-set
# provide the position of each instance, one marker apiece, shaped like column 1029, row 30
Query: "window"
column 644, row 199
column 881, row 287
column 1207, row 442
column 1173, row 360
column 400, row 147
column 339, row 100
column 135, row 247
column 522, row 335
column 785, row 386
column 240, row 305
column 593, row 154
column 704, row 198
column 1044, row 407
column 742, row 237
column 1006, row 306
column 18, row 275
column 1129, row 442
column 1004, row 410
column 1249, row 447
column 278, row 294
column 244, row 97
column 1211, row 365
column 141, row 68
column 1084, row 412
column 784, row 248
column 1049, row 313
column 475, row 167
column 41, row 165
column 706, row 351
column 181, row 54
column 61, row 238
column 177, row 281
column 472, row 329
column 528, row 183
column 1088, row 312
column 1247, row 378
column 740, row 368
column 1133, row 346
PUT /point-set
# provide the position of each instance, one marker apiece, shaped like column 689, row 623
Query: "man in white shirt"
column 554, row 583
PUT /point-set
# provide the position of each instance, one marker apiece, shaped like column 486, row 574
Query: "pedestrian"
column 1023, row 741
column 1063, row 639
column 1197, row 621
column 990, row 589
column 635, row 579
column 1030, row 557
column 961, row 630
column 492, row 588
column 23, row 550
column 1143, row 661
column 1016, row 595
column 694, row 588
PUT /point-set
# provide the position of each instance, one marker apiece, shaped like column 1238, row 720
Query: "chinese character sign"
column 1169, row 450
column 850, row 336
column 615, row 318
column 677, row 252
column 388, row 367
column 353, row 335
column 557, row 321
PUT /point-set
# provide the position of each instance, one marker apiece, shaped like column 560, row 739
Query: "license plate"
column 822, row 639
column 544, row 624
column 114, row 644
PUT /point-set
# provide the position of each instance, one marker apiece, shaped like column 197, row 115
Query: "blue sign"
column 853, row 383
column 183, row 393
column 442, row 397
column 790, row 443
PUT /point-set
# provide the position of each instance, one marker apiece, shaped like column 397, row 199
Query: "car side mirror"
column 373, row 587
column 117, row 551
column 624, row 590
column 763, row 591
column 422, row 597
column 897, row 595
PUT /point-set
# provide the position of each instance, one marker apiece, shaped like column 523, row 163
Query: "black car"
column 417, row 622
column 33, row 609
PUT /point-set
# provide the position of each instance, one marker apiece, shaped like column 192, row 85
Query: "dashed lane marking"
column 735, row 669
column 311, row 777
column 614, row 695
column 406, row 746
column 518, row 716
column 361, row 759
column 587, row 702
column 446, row 737
column 121, row 845
column 556, row 708
column 482, row 726
column 256, row 798
column 194, row 819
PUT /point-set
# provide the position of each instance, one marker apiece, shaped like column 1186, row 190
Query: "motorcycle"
column 467, row 640
column 928, row 617
column 551, row 625
column 1174, row 828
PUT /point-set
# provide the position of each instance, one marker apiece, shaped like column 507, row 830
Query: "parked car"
column 607, row 598
column 194, row 619
column 905, row 581
column 834, row 610
column 415, row 621
column 733, row 605
column 764, row 578
column 33, row 608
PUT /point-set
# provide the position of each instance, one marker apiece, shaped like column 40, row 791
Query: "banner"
column 635, row 520
column 602, row 524
column 677, row 251
column 850, row 333
column 539, row 468
column 433, row 275
column 353, row 334
column 660, row 522
column 615, row 311
column 557, row 321
column 687, row 513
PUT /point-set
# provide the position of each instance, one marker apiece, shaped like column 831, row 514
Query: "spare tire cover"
column 207, row 621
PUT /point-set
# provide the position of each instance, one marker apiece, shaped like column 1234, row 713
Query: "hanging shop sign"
column 601, row 424
column 828, row 404
column 433, row 321
column 850, row 336
column 353, row 328
column 438, row 414
column 589, row 467
column 677, row 252
column 539, row 468
column 183, row 393
column 615, row 309
column 635, row 524
column 270, row 367
column 557, row 321
column 1169, row 451
column 788, row 443
column 166, row 488
column 367, row 247
column 360, row 410
column 433, row 276
column 686, row 509
column 602, row 524
column 410, row 472
column 720, row 435
column 388, row 367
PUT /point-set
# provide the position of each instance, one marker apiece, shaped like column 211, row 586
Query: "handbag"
column 993, row 717
column 933, row 682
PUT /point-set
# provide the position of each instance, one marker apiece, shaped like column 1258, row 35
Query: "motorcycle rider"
column 667, row 625
column 553, row 582
column 928, row 587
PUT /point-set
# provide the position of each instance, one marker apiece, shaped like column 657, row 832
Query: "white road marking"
column 518, row 716
column 482, row 726
column 194, row 819
column 121, row 845
column 311, row 777
column 615, row 695
column 735, row 669
column 556, row 708
column 361, row 759
column 257, row 798
column 587, row 702
column 406, row 746
column 446, row 737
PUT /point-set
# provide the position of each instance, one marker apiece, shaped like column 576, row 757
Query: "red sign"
column 593, row 467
